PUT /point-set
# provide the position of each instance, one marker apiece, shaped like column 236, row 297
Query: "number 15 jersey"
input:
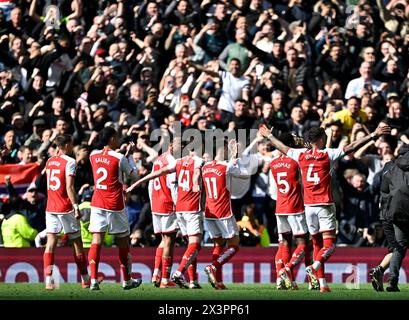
column 316, row 168
column 58, row 168
column 109, row 169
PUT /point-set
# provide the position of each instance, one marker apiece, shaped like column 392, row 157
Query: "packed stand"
column 145, row 65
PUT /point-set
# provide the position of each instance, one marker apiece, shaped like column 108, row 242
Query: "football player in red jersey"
column 316, row 166
column 162, row 192
column 188, row 211
column 219, row 218
column 110, row 169
column 289, row 214
column 62, row 212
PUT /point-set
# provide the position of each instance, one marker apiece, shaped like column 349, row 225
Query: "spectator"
column 16, row 231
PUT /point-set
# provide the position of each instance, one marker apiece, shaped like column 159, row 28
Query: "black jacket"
column 395, row 191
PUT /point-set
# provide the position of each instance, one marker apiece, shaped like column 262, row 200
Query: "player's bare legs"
column 167, row 258
column 328, row 247
column 48, row 260
column 93, row 258
column 214, row 271
column 81, row 261
column 157, row 270
column 125, row 260
column 189, row 256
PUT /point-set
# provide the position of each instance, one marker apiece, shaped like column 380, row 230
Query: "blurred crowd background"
column 78, row 66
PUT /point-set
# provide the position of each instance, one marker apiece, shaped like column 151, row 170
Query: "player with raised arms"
column 317, row 164
column 219, row 218
column 62, row 212
column 290, row 215
column 110, row 170
column 188, row 209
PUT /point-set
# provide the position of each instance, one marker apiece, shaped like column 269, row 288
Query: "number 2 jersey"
column 109, row 169
column 57, row 169
column 162, row 190
column 286, row 175
column 216, row 177
column 316, row 168
column 187, row 200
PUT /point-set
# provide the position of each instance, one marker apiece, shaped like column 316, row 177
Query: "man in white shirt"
column 365, row 81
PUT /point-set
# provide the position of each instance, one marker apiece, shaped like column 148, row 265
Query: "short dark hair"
column 106, row 134
column 315, row 133
column 62, row 140
column 288, row 139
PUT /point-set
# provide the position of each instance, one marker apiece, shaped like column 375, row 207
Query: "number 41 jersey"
column 286, row 175
column 57, row 169
column 109, row 169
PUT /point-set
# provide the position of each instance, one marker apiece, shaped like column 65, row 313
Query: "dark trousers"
column 399, row 252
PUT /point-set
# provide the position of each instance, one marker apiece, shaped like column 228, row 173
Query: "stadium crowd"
column 78, row 66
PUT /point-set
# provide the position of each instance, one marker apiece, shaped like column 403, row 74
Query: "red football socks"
column 48, row 259
column 217, row 251
column 158, row 260
column 125, row 261
column 81, row 261
column 226, row 256
column 166, row 267
column 189, row 255
column 93, row 258
column 297, row 256
column 327, row 250
column 192, row 270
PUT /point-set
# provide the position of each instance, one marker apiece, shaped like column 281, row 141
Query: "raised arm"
column 150, row 176
column 380, row 130
column 265, row 132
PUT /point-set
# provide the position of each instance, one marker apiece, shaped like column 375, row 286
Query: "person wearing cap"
column 34, row 140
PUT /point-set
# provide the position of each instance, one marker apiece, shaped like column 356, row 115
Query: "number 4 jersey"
column 109, row 169
column 316, row 168
column 57, row 169
column 286, row 175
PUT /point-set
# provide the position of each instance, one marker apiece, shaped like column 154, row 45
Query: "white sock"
column 316, row 265
column 323, row 282
column 48, row 279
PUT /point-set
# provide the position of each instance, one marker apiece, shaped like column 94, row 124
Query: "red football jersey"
column 109, row 169
column 187, row 200
column 216, row 177
column 286, row 176
column 162, row 190
column 316, row 168
column 57, row 169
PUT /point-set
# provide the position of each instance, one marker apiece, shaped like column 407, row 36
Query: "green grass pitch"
column 236, row 292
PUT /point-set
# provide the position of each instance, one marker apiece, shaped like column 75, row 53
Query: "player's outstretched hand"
column 135, row 185
column 383, row 129
column 129, row 148
column 264, row 131
column 77, row 214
